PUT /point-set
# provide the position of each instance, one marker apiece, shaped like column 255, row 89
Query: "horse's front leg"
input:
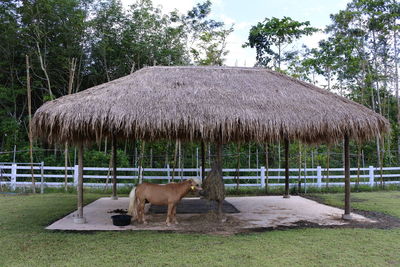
column 174, row 214
column 169, row 214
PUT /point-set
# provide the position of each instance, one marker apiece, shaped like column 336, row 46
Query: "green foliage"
column 269, row 36
column 207, row 37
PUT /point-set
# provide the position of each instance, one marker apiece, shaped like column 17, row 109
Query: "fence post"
column 13, row 176
column 262, row 177
column 41, row 177
column 168, row 173
column 201, row 173
column 76, row 174
column 371, row 176
column 319, row 176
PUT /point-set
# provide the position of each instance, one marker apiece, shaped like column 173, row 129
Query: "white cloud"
column 312, row 41
column 239, row 56
column 181, row 5
column 227, row 20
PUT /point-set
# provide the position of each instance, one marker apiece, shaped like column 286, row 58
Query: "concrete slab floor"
column 255, row 212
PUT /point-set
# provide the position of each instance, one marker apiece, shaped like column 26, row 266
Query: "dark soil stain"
column 192, row 206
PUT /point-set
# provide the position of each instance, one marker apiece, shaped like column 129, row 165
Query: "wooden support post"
column 286, row 195
column 238, row 167
column 203, row 160
column 175, row 156
column 218, row 159
column 346, row 215
column 80, row 219
column 267, row 167
column 140, row 175
column 114, row 164
column 66, row 166
column 42, row 177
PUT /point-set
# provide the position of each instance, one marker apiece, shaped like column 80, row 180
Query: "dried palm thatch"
column 206, row 103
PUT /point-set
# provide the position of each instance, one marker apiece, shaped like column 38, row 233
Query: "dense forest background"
column 76, row 44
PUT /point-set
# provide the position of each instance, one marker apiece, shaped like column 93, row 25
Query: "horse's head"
column 195, row 184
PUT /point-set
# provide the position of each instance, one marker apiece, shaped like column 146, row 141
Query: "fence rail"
column 19, row 175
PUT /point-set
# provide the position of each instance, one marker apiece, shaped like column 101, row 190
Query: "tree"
column 206, row 38
column 271, row 36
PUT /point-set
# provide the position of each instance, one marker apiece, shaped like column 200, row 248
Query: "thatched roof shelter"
column 206, row 103
column 216, row 104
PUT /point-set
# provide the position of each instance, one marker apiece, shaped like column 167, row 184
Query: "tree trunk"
column 108, row 173
column 28, row 87
column 266, row 168
column 66, row 166
column 396, row 78
column 114, row 160
column 238, row 166
column 45, row 71
column 203, row 161
column 328, row 155
column 72, row 69
column 213, row 184
column 174, row 164
column 249, row 153
column 140, row 176
column 299, row 178
column 347, row 178
column 381, row 164
column 286, row 141
column 358, row 165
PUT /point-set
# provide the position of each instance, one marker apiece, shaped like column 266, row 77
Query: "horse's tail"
column 132, row 204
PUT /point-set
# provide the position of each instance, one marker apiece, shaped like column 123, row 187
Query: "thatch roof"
column 209, row 103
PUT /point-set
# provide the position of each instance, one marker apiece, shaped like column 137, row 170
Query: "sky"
column 246, row 13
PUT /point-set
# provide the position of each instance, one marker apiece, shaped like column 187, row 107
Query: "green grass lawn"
column 24, row 242
column 387, row 202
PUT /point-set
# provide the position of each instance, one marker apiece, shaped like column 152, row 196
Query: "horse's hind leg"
column 143, row 218
column 140, row 211
column 174, row 214
column 138, row 214
column 169, row 214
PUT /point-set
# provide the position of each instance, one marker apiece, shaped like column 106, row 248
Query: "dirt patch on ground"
column 384, row 221
column 206, row 223
column 191, row 206
column 211, row 223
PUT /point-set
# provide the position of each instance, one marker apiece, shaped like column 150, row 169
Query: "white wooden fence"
column 19, row 175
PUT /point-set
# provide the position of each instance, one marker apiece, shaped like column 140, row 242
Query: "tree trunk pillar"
column 203, row 161
column 80, row 219
column 286, row 195
column 114, row 164
column 346, row 215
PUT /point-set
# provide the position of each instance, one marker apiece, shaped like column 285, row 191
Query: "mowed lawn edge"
column 386, row 202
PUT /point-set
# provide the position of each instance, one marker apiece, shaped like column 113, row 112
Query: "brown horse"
column 157, row 194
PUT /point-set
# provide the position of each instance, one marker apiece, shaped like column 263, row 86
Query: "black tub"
column 121, row 220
